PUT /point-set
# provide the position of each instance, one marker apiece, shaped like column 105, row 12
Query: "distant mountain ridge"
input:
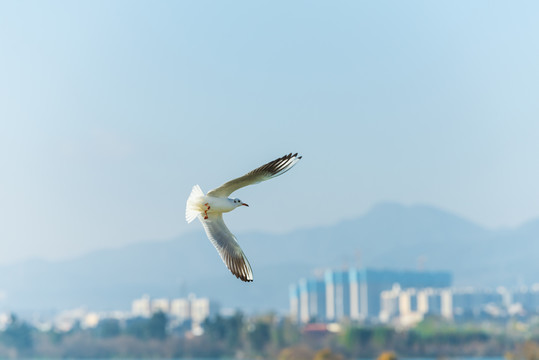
column 388, row 236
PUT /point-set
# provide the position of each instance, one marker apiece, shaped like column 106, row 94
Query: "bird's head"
column 238, row 202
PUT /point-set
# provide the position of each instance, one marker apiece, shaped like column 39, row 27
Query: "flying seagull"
column 209, row 209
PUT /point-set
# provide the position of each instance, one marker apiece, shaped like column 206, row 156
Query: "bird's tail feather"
column 192, row 209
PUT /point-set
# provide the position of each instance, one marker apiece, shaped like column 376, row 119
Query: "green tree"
column 152, row 328
column 355, row 337
column 157, row 326
column 225, row 334
column 215, row 329
column 137, row 327
column 108, row 328
column 382, row 336
column 285, row 334
column 18, row 334
column 234, row 330
column 260, row 335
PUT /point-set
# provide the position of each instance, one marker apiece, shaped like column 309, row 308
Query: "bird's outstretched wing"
column 265, row 172
column 227, row 246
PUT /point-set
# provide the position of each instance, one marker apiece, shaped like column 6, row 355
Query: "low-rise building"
column 142, row 306
column 193, row 309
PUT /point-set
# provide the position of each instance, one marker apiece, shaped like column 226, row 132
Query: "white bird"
column 209, row 209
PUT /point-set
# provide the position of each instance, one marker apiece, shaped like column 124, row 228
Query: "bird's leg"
column 206, row 211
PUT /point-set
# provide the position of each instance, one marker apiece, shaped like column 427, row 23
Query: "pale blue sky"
column 110, row 111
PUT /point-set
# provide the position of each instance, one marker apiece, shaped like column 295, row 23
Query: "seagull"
column 209, row 209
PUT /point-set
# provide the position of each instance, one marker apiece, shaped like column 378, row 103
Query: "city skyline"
column 408, row 229
column 403, row 298
column 362, row 295
column 390, row 235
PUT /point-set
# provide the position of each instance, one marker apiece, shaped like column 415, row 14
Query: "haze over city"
column 408, row 229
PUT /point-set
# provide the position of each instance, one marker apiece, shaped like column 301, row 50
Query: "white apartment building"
column 141, row 307
column 407, row 307
column 183, row 309
column 201, row 309
column 160, row 305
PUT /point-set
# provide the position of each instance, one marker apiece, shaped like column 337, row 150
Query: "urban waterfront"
column 407, row 229
column 353, row 313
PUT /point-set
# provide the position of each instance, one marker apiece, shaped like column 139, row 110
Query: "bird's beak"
column 244, row 204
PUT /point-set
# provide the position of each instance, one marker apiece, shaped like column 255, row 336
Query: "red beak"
column 244, row 204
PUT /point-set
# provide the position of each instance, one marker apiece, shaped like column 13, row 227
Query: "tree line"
column 238, row 336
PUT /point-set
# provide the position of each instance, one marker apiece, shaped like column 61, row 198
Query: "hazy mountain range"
column 388, row 236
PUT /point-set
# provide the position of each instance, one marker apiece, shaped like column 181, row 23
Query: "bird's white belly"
column 219, row 205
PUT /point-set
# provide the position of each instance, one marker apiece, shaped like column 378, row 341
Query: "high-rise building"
column 355, row 294
column 471, row 302
column 311, row 300
column 337, row 289
column 373, row 282
column 293, row 291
